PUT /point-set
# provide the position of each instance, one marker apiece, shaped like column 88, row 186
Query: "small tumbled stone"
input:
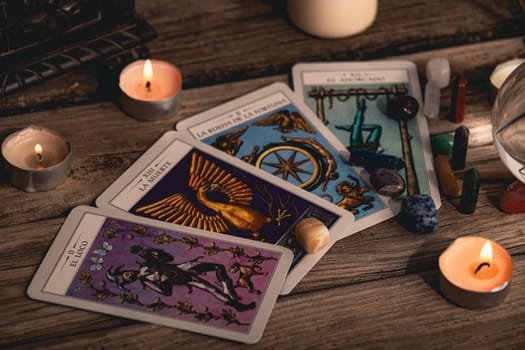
column 402, row 107
column 387, row 182
column 312, row 234
column 419, row 213
column 442, row 144
column 470, row 191
column 512, row 200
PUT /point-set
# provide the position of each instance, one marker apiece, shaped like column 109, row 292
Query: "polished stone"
column 458, row 99
column 447, row 180
column 419, row 214
column 387, row 182
column 470, row 191
column 512, row 200
column 442, row 144
column 459, row 150
column 402, row 108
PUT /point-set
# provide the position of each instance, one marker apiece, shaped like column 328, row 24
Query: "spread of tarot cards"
column 153, row 271
column 351, row 100
column 271, row 129
column 181, row 181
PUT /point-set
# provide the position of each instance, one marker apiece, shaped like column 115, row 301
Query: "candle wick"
column 39, row 156
column 480, row 266
column 148, row 85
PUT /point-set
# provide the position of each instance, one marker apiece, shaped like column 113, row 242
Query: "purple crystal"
column 387, row 182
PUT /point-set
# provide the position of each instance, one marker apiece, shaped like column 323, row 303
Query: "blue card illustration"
column 351, row 99
column 270, row 130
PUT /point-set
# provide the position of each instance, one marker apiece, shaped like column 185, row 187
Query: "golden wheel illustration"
column 294, row 164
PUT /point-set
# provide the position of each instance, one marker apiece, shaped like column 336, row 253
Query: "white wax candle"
column 36, row 159
column 150, row 89
column 332, row 18
column 19, row 149
column 475, row 272
column 164, row 82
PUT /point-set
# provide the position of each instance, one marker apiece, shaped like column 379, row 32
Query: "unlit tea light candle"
column 150, row 89
column 36, row 159
column 475, row 272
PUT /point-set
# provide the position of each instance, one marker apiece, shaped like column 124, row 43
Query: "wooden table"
column 375, row 289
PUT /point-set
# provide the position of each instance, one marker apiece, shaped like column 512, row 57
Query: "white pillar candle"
column 475, row 272
column 36, row 158
column 332, row 18
column 150, row 89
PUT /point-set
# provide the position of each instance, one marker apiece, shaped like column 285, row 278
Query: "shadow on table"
column 425, row 261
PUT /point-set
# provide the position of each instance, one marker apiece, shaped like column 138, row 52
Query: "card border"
column 46, row 268
column 378, row 65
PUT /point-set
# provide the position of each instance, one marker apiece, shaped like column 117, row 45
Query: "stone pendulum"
column 418, row 211
column 470, row 191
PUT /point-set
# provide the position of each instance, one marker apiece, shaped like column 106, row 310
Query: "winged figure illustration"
column 232, row 213
column 286, row 122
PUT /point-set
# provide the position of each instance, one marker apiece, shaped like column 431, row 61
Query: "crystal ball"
column 508, row 122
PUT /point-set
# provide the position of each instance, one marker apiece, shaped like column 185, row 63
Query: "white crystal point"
column 438, row 69
column 432, row 99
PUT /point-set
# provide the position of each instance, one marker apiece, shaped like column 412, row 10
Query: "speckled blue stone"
column 419, row 213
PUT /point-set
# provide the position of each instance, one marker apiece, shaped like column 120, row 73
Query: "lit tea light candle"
column 150, row 89
column 475, row 272
column 36, row 159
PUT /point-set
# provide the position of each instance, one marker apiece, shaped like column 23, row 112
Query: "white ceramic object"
column 332, row 18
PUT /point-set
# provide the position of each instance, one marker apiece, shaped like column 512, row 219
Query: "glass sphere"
column 508, row 122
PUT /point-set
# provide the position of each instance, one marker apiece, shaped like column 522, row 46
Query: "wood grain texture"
column 375, row 289
column 214, row 42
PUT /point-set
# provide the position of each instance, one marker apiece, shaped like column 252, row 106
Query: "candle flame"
column 486, row 252
column 38, row 151
column 148, row 72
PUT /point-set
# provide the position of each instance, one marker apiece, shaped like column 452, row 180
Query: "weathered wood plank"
column 102, row 149
column 215, row 42
column 398, row 313
column 365, row 256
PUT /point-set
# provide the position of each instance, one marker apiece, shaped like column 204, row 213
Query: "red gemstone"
column 512, row 200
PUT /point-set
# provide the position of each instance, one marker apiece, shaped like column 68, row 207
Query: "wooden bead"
column 312, row 235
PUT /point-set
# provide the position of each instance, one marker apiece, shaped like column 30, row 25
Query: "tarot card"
column 273, row 130
column 350, row 99
column 182, row 181
column 162, row 273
